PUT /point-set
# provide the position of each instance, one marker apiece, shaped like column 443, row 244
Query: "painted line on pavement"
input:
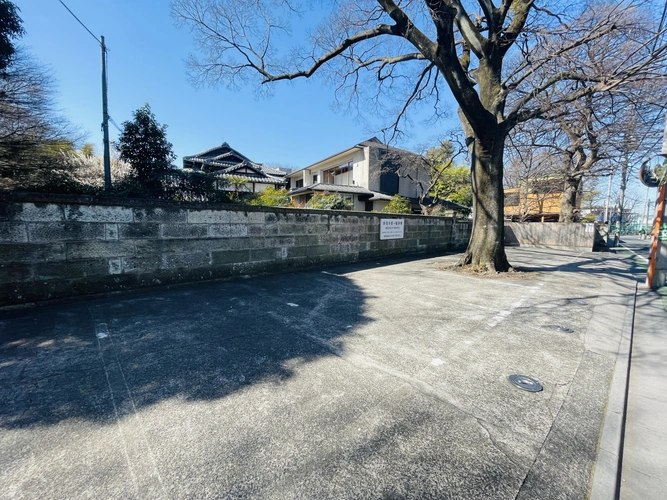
column 144, row 472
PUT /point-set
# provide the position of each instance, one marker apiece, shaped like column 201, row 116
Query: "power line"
column 74, row 15
column 115, row 125
column 105, row 112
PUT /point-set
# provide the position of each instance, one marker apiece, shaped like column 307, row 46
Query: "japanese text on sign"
column 391, row 229
column 662, row 235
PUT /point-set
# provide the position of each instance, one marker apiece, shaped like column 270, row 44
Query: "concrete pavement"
column 385, row 379
column 644, row 472
column 637, row 245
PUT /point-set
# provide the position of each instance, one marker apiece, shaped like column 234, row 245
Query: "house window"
column 299, row 183
column 341, row 175
column 314, row 178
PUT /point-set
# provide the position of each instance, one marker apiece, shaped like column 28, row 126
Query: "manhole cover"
column 580, row 302
column 561, row 328
column 526, row 383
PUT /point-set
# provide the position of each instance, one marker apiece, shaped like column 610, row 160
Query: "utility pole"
column 656, row 275
column 606, row 203
column 105, row 118
column 105, row 108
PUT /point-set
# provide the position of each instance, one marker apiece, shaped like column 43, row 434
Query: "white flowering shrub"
column 87, row 171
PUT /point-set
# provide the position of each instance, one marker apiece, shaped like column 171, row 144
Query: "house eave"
column 313, row 166
column 339, row 189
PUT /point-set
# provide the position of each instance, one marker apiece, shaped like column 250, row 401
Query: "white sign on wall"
column 391, row 229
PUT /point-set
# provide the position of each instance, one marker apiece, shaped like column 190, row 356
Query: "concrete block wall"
column 54, row 246
column 567, row 236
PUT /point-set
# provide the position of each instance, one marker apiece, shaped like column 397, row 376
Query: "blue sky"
column 147, row 53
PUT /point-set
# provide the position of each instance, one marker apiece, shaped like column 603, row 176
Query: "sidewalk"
column 644, row 471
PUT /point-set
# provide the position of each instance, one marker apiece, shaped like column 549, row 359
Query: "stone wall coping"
column 69, row 199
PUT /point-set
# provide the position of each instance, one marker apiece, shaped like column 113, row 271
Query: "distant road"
column 637, row 245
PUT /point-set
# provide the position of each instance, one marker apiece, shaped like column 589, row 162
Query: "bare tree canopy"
column 612, row 128
column 491, row 56
column 32, row 132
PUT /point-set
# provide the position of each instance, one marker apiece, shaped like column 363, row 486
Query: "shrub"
column 88, row 171
column 238, row 183
column 326, row 201
column 272, row 197
column 398, row 205
column 175, row 185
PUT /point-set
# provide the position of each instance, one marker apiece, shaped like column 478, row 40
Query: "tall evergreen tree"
column 143, row 144
column 10, row 28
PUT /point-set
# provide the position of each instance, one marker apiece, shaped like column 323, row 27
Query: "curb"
column 606, row 474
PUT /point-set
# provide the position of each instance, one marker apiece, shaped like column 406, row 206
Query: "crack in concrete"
column 496, row 444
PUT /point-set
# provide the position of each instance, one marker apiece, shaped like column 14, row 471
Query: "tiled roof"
column 224, row 150
column 217, row 163
column 230, row 154
column 266, row 179
column 230, row 170
column 273, row 171
column 223, row 145
column 226, row 154
column 374, row 142
column 339, row 188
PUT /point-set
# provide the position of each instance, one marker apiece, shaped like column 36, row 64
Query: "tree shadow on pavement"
column 595, row 264
column 93, row 359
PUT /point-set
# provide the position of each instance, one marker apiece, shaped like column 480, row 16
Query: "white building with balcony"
column 366, row 174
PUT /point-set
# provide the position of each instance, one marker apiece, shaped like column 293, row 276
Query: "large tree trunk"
column 568, row 203
column 486, row 141
column 487, row 247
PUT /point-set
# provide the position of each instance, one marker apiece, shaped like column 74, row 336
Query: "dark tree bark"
column 486, row 247
column 569, row 201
